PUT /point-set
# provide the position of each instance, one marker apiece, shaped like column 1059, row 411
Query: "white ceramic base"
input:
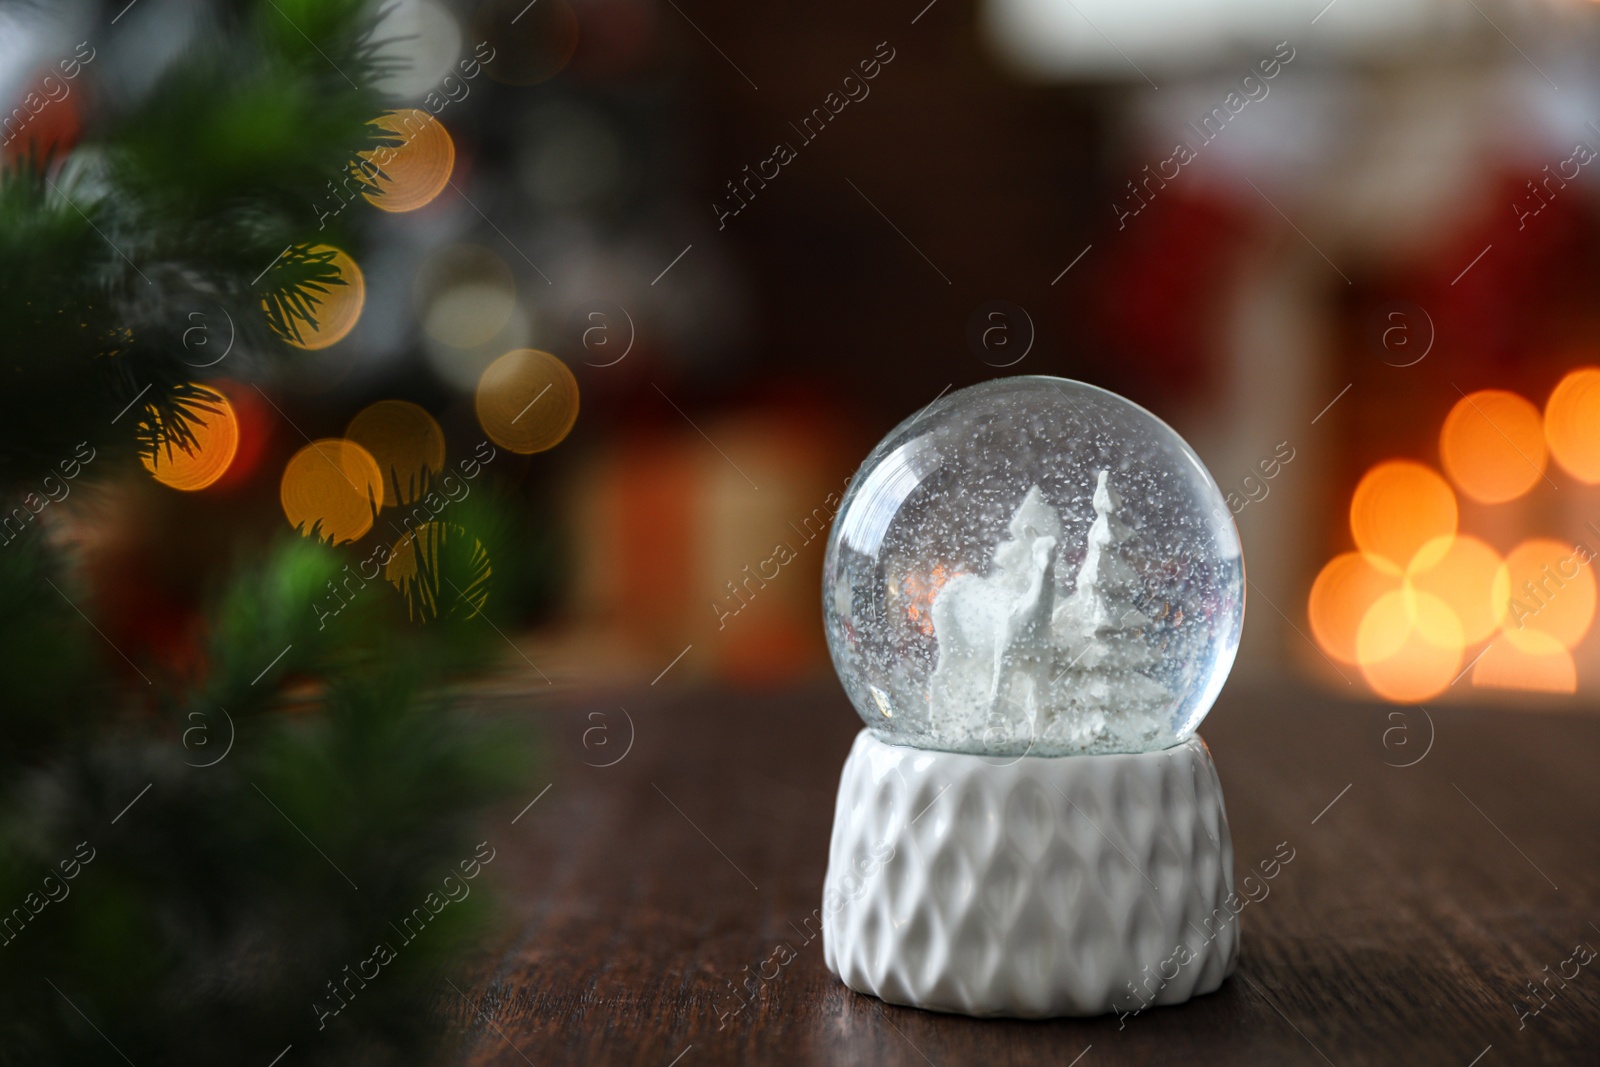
column 1029, row 886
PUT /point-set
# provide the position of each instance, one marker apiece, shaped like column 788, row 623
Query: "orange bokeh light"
column 334, row 483
column 1407, row 631
column 1464, row 573
column 1409, row 646
column 338, row 308
column 405, row 441
column 527, row 401
column 1492, row 446
column 1535, row 662
column 216, row 442
column 425, row 588
column 1342, row 595
column 1399, row 507
column 416, row 170
column 1572, row 424
column 1552, row 593
column 1406, row 607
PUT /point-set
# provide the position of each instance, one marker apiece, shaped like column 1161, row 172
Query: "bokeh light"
column 1398, row 508
column 334, row 483
column 1492, row 445
column 455, row 576
column 469, row 314
column 532, row 42
column 258, row 425
column 465, row 299
column 216, row 441
column 1572, row 424
column 1342, row 595
column 1409, row 646
column 1552, row 592
column 1465, row 574
column 425, row 40
column 1536, row 662
column 404, row 440
column 464, row 294
column 463, row 367
column 1407, row 630
column 416, row 170
column 527, row 401
column 338, row 308
column 55, row 127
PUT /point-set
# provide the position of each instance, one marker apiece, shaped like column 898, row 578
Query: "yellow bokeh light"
column 1409, row 646
column 1341, row 596
column 1552, row 593
column 1465, row 574
column 402, row 565
column 1536, row 663
column 1492, row 446
column 403, row 439
column 1398, row 508
column 334, row 483
column 424, row 592
column 338, row 307
column 464, row 295
column 416, row 170
column 1572, row 424
column 527, row 401
column 216, row 441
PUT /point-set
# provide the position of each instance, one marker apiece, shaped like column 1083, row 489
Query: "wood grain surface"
column 1420, row 902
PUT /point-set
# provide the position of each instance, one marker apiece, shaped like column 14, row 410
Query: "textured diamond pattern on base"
column 1029, row 886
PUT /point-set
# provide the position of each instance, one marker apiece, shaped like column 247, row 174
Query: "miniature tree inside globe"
column 1033, row 566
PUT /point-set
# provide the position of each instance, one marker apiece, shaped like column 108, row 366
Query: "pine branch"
column 255, row 830
column 198, row 189
column 296, row 284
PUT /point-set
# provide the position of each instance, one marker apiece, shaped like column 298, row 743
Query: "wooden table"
column 1420, row 902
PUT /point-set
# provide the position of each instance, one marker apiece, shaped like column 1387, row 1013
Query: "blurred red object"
column 1505, row 288
column 615, row 37
column 680, row 542
column 256, row 425
column 1156, row 303
column 44, row 120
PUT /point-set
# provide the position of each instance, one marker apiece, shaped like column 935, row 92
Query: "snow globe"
column 1033, row 593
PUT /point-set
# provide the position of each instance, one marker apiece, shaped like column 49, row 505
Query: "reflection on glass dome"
column 1033, row 566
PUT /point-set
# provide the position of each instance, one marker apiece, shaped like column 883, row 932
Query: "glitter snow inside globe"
column 1033, row 593
column 1033, row 565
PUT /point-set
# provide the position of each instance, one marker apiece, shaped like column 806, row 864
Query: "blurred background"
column 1347, row 249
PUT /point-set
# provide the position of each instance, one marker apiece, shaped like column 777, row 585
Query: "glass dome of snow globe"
column 1033, row 566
